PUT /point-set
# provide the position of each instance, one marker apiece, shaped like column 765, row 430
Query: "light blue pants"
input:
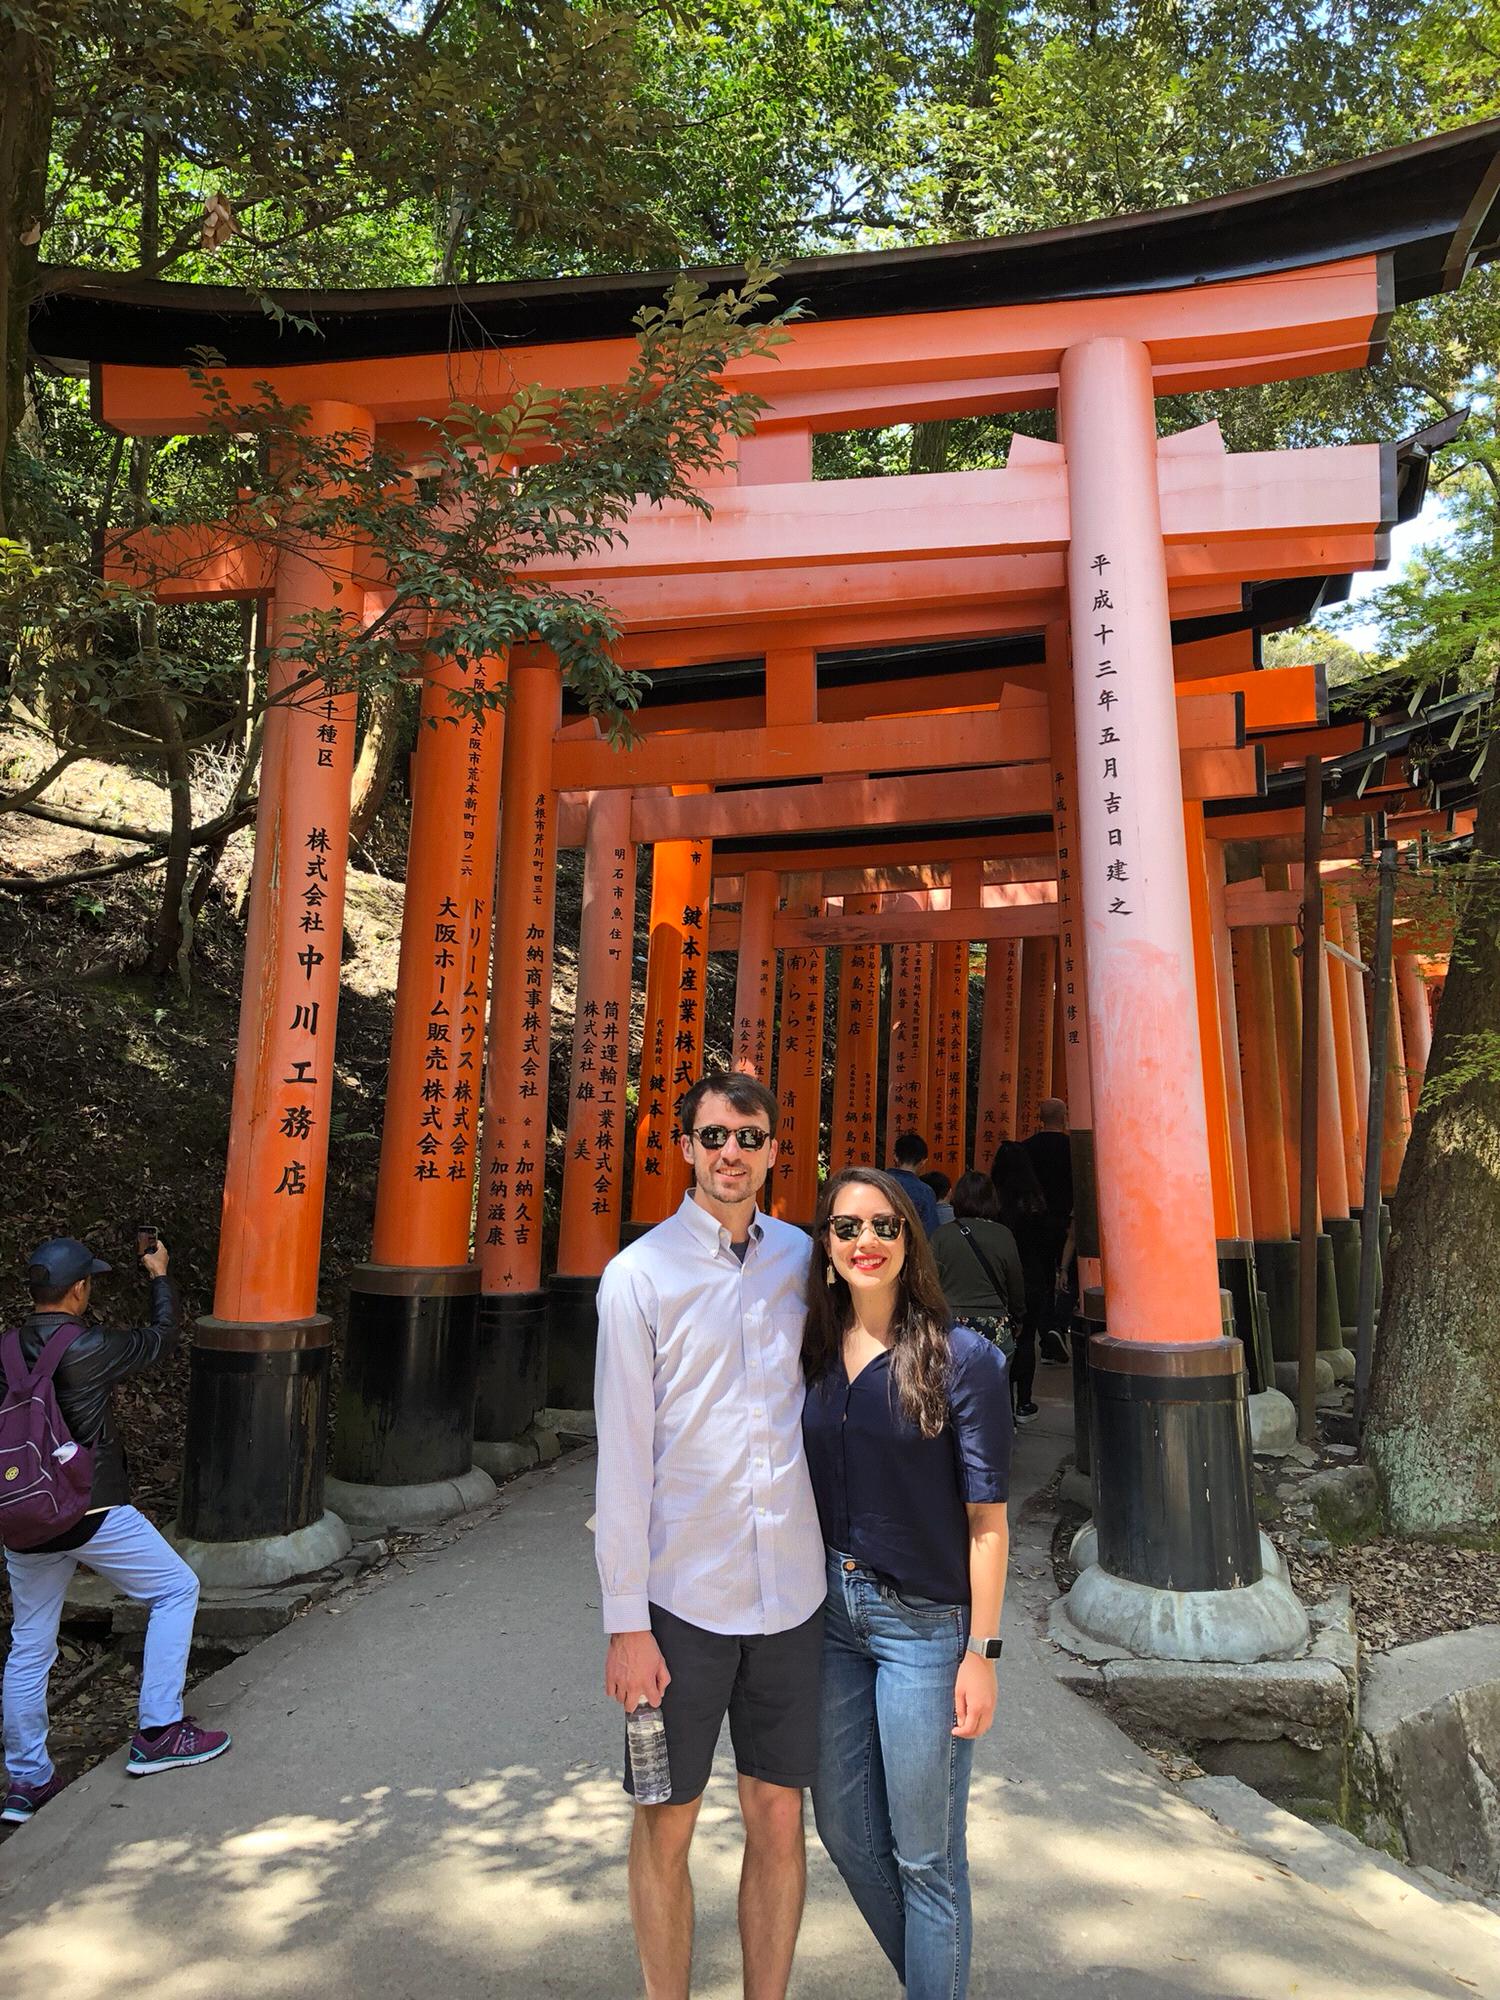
column 130, row 1553
column 892, row 1792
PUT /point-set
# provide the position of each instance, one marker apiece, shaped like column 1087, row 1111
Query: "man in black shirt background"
column 1051, row 1154
column 112, row 1538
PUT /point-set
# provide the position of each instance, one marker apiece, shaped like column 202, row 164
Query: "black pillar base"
column 257, row 1417
column 1088, row 1322
column 1345, row 1234
column 1276, row 1266
column 1172, row 1464
column 512, row 1384
column 1330, row 1321
column 573, row 1333
column 1238, row 1277
column 411, row 1356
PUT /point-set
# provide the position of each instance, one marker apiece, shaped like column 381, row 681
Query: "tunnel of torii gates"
column 892, row 722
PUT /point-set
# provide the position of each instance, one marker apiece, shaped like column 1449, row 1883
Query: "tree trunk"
column 929, row 446
column 377, row 759
column 169, row 940
column 1434, row 1427
column 26, row 88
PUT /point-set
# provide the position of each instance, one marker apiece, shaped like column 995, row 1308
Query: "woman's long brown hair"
column 921, row 1357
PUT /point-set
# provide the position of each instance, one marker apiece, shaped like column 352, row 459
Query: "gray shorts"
column 766, row 1683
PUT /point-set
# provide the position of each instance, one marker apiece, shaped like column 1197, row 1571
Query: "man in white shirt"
column 710, row 1556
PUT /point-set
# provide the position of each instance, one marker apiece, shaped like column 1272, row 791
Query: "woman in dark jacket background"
column 962, row 1247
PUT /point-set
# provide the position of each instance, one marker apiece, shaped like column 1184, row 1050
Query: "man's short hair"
column 743, row 1092
column 910, row 1150
column 1052, row 1114
column 45, row 1290
column 939, row 1182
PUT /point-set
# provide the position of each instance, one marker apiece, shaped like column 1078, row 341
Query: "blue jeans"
column 135, row 1559
column 892, row 1791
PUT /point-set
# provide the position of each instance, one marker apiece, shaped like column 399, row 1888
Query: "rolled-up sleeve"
column 625, row 1412
column 980, row 1415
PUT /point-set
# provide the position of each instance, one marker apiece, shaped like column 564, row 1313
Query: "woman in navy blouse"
column 908, row 1430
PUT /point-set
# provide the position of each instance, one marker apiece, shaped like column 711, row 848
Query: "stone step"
column 1459, row 1934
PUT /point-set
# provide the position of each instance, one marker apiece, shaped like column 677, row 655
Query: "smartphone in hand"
column 145, row 1239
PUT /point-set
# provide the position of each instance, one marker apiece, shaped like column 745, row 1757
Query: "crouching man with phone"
column 83, row 1362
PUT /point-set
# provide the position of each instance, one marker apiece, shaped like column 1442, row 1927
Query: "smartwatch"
column 987, row 1649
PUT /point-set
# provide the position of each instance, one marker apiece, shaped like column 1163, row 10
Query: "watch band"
column 987, row 1649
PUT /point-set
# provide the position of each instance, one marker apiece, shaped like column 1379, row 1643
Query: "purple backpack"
column 46, row 1477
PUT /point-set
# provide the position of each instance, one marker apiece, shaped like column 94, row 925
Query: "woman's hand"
column 974, row 1696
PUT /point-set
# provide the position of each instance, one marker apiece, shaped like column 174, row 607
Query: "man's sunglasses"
column 751, row 1137
column 848, row 1227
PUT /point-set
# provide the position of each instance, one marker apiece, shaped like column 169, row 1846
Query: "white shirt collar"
column 709, row 1231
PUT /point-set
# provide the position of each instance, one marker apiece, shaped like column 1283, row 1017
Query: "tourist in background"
column 910, row 1155
column 907, row 1422
column 979, row 1266
column 1023, row 1210
column 942, row 1188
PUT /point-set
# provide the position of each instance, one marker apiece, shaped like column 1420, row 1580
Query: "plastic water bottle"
column 646, row 1740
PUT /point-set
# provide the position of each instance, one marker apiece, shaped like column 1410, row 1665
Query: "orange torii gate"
column 1104, row 542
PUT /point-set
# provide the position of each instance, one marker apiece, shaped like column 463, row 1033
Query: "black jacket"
column 97, row 1359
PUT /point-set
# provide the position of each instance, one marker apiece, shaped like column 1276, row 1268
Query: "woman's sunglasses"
column 847, row 1227
column 751, row 1137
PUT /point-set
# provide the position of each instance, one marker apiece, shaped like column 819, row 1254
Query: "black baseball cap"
column 60, row 1262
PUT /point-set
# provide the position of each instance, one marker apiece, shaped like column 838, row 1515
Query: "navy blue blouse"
column 890, row 1497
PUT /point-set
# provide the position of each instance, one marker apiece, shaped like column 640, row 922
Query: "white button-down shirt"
column 705, row 1506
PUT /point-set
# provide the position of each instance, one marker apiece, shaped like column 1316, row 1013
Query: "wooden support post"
column 424, row 1198
column 513, row 1309
column 1416, row 1024
column 594, row 1150
column 1260, row 1074
column 1229, row 1043
column 677, row 888
column 906, row 1073
column 1397, row 1124
column 1038, row 1012
column 999, row 1048
column 755, row 979
column 1072, row 1018
column 799, row 1064
column 1307, row 1228
column 852, row 1131
column 406, row 1394
column 1356, row 986
column 253, row 1465
column 1288, row 1017
column 1339, row 975
column 1210, row 1027
column 1381, row 1014
column 950, row 1032
column 1150, row 1124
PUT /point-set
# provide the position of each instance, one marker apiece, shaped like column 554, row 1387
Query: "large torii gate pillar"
column 1176, row 1577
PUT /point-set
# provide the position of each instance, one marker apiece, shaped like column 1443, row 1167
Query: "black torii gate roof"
column 1428, row 208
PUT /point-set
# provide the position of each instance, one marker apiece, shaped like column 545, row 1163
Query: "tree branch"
column 145, row 836
column 41, row 885
column 16, row 801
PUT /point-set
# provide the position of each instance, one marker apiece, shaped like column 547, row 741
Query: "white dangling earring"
column 828, row 1277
